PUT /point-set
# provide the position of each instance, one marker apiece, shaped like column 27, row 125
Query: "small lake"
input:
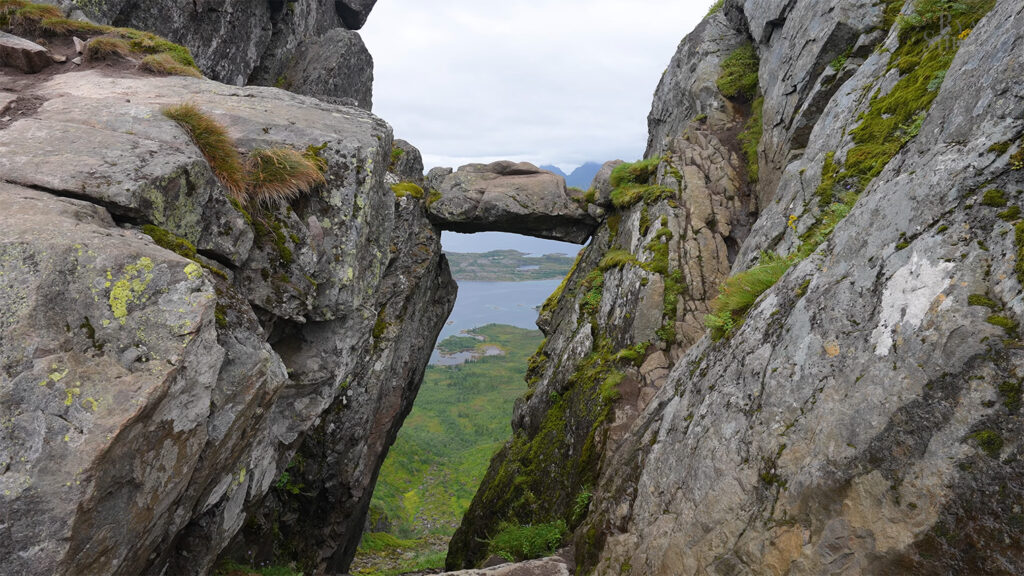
column 482, row 303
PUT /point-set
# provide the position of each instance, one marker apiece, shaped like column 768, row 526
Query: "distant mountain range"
column 580, row 177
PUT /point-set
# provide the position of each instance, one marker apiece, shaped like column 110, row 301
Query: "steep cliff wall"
column 855, row 405
column 165, row 351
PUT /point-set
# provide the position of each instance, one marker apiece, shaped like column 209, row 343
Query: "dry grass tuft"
column 106, row 47
column 280, row 174
column 67, row 27
column 26, row 16
column 165, row 63
column 216, row 145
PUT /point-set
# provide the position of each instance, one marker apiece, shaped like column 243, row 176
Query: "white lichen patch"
column 907, row 298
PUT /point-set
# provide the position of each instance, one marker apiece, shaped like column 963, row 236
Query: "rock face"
column 151, row 404
column 307, row 46
column 862, row 416
column 508, row 197
column 633, row 304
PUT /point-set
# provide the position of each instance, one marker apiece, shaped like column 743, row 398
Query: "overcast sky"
column 546, row 81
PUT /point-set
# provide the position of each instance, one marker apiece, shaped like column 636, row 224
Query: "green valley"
column 461, row 417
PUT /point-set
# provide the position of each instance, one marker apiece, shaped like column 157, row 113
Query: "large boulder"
column 306, row 47
column 152, row 402
column 508, row 197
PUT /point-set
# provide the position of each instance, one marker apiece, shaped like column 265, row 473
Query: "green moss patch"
column 982, row 300
column 990, row 442
column 517, row 543
column 738, row 79
column 403, row 189
column 994, row 198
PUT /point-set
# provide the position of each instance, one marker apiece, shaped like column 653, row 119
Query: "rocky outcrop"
column 152, row 400
column 22, row 54
column 632, row 305
column 308, row 47
column 508, row 197
column 861, row 416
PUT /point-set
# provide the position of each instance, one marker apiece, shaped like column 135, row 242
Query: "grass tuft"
column 67, row 27
column 750, row 139
column 215, row 144
column 738, row 79
column 275, row 174
column 738, row 294
column 30, row 15
column 994, row 198
column 639, row 172
column 716, row 7
column 517, row 543
column 106, row 47
column 164, row 63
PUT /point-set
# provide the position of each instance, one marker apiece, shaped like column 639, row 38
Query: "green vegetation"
column 738, row 79
column 990, row 442
column 216, row 145
column 631, row 182
column 230, row 568
column 456, row 344
column 739, row 293
column 507, row 266
column 44, row 19
column 890, row 122
column 593, row 286
column 460, row 418
column 840, row 61
column 517, row 543
column 434, row 196
column 274, row 174
column 396, row 155
column 552, row 302
column 994, row 198
column 982, row 300
column 930, row 14
column 1010, row 214
column 168, row 241
column 164, row 63
column 403, row 189
column 1003, row 322
column 106, row 47
column 1018, row 237
column 1011, row 394
column 639, row 172
column 268, row 176
column 715, row 7
column 616, row 259
column 750, row 139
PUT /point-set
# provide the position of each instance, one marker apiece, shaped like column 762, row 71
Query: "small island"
column 508, row 266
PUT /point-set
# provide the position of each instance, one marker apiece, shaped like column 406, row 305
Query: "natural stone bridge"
column 508, row 197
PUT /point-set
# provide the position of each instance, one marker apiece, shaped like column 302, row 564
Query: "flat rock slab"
column 508, row 197
column 543, row 567
column 22, row 54
column 5, row 100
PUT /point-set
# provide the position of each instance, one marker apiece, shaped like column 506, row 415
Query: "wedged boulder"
column 23, row 54
column 508, row 197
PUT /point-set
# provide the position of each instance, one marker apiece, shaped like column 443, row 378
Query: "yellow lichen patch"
column 832, row 349
column 130, row 288
column 194, row 271
column 90, row 404
column 71, row 393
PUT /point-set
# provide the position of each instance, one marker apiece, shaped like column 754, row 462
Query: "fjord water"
column 507, row 303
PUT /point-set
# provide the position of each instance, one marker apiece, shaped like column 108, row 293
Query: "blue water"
column 510, row 303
